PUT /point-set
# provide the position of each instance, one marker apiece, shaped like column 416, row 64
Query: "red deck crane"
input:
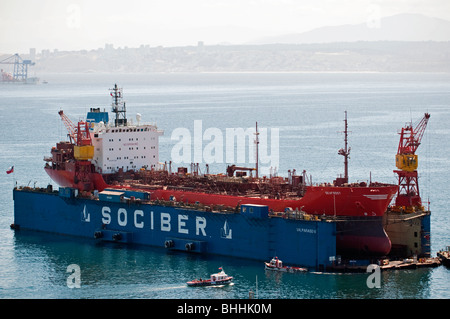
column 79, row 135
column 408, row 196
column 83, row 151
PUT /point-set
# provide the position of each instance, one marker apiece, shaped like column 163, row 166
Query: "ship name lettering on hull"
column 166, row 223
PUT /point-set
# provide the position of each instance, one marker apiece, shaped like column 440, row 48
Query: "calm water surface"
column 308, row 110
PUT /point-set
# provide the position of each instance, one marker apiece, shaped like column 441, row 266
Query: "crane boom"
column 80, row 137
column 71, row 128
column 410, row 137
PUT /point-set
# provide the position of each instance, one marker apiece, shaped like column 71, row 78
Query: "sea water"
column 307, row 109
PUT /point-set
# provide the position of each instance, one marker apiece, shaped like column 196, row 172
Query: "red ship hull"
column 318, row 200
column 66, row 178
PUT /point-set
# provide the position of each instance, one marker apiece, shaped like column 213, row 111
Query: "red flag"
column 10, row 170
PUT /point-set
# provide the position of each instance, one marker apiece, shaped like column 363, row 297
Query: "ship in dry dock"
column 101, row 155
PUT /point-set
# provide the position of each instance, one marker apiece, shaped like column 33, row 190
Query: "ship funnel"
column 138, row 118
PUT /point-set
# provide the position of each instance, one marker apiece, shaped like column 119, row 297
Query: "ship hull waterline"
column 318, row 200
column 300, row 242
column 364, row 236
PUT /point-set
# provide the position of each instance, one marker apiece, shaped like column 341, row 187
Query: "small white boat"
column 277, row 265
column 220, row 278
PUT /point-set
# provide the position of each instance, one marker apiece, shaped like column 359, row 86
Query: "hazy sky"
column 80, row 24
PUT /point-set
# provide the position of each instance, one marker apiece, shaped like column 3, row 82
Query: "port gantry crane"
column 20, row 73
column 408, row 196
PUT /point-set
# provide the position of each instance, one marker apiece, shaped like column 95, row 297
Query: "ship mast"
column 345, row 151
column 257, row 149
column 118, row 106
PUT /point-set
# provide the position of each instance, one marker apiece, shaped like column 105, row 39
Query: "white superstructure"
column 120, row 145
column 125, row 147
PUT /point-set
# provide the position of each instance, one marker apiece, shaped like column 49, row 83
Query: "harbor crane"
column 20, row 73
column 406, row 160
column 83, row 150
column 81, row 138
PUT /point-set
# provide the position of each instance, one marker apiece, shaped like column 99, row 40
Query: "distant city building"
column 33, row 54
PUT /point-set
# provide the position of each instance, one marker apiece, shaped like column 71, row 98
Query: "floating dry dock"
column 131, row 217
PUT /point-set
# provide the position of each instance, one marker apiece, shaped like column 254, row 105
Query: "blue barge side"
column 118, row 216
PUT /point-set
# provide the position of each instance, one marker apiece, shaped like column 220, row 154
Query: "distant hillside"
column 377, row 56
column 401, row 27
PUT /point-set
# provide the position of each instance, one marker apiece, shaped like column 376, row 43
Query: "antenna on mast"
column 257, row 149
column 118, row 106
column 346, row 153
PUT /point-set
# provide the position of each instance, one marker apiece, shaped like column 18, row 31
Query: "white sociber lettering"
column 106, row 213
column 136, row 214
column 200, row 225
column 138, row 220
column 151, row 220
column 120, row 221
column 165, row 222
column 181, row 224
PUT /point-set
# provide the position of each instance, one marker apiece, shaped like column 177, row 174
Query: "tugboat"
column 444, row 256
column 220, row 278
column 277, row 265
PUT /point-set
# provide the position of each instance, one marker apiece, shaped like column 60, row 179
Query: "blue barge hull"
column 250, row 233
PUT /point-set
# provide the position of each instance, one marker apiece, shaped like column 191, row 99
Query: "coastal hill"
column 401, row 43
column 400, row 27
column 379, row 56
